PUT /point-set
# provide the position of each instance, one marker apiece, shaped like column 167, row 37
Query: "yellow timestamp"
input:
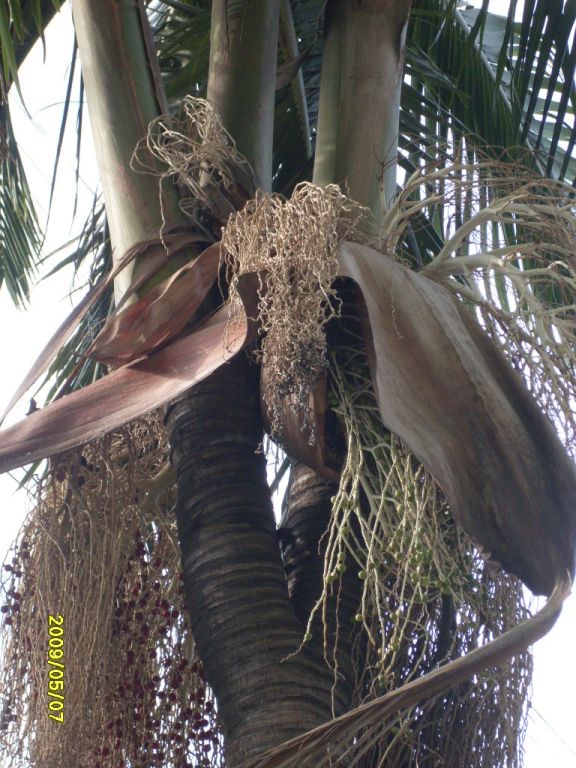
column 56, row 668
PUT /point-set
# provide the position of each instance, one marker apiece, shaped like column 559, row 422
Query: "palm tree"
column 296, row 626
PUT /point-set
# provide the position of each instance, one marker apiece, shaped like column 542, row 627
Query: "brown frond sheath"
column 300, row 444
column 131, row 391
column 507, row 476
column 159, row 315
column 157, row 251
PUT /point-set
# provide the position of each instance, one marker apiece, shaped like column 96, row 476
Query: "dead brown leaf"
column 160, row 314
column 446, row 389
column 129, row 392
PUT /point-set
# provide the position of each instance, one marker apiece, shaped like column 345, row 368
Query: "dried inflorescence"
column 195, row 152
column 99, row 549
column 291, row 244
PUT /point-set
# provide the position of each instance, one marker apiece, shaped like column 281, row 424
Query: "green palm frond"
column 19, row 235
column 22, row 23
column 491, row 84
column 182, row 36
column 70, row 369
column 534, row 63
column 509, row 83
column 297, row 103
column 451, row 89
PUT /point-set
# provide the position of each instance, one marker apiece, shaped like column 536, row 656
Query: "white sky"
column 550, row 743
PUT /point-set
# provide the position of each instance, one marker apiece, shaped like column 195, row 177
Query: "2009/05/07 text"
column 56, row 668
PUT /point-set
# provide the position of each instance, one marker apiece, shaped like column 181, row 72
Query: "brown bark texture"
column 236, row 591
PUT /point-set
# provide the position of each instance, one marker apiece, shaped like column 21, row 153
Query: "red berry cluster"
column 165, row 714
column 13, row 588
column 12, row 583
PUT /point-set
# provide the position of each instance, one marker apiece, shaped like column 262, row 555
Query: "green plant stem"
column 123, row 97
column 241, row 81
column 359, row 99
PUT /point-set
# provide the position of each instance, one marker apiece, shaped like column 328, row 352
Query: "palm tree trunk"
column 303, row 525
column 357, row 137
column 235, row 585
